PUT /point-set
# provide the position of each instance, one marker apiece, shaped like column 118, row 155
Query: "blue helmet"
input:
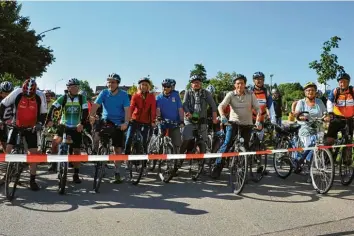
column 258, row 74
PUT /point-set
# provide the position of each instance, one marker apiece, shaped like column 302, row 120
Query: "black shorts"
column 3, row 134
column 75, row 136
column 30, row 137
column 118, row 136
column 338, row 124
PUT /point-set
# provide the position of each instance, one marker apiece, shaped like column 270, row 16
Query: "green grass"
column 284, row 117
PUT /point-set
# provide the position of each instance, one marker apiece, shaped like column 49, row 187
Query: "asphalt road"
column 182, row 207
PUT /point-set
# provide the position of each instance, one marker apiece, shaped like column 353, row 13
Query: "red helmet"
column 29, row 87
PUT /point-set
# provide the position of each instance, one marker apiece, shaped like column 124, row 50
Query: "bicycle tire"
column 344, row 169
column 137, row 149
column 200, row 162
column 170, row 169
column 259, row 160
column 99, row 170
column 237, row 163
column 314, row 163
column 62, row 175
column 13, row 171
column 284, row 158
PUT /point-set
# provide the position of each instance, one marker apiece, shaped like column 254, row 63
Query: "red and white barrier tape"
column 37, row 158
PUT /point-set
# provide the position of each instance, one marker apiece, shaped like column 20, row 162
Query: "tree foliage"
column 11, row 78
column 327, row 68
column 133, row 89
column 20, row 52
column 85, row 86
column 199, row 70
column 290, row 92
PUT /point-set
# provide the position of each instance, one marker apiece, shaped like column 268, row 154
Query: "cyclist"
column 5, row 89
column 116, row 109
column 265, row 100
column 241, row 101
column 74, row 113
column 195, row 103
column 316, row 109
column 341, row 106
column 49, row 98
column 143, row 113
column 169, row 106
column 278, row 107
column 30, row 109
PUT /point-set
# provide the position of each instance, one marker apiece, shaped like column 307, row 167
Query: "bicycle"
column 62, row 167
column 104, row 149
column 316, row 160
column 15, row 169
column 238, row 167
column 345, row 164
column 87, row 142
column 257, row 162
column 135, row 174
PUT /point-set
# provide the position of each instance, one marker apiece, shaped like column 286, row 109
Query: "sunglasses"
column 167, row 86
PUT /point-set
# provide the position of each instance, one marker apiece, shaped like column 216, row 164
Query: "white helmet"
column 211, row 89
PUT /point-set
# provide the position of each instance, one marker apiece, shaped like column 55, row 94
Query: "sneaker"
column 76, row 179
column 117, row 179
column 34, row 186
column 216, row 171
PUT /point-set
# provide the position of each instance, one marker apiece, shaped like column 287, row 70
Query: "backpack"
column 337, row 93
column 27, row 110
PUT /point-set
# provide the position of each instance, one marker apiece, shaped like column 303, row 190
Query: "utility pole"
column 271, row 82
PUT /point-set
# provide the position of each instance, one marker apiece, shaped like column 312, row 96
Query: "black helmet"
column 240, row 76
column 144, row 79
column 114, row 76
column 343, row 76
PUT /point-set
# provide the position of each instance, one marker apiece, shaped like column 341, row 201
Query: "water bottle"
column 64, row 137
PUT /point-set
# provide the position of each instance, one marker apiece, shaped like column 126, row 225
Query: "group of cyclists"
column 242, row 108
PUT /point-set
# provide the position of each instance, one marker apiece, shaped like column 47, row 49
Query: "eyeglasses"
column 166, row 86
column 310, row 90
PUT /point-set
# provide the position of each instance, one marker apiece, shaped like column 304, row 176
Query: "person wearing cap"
column 242, row 101
column 340, row 106
column 195, row 103
column 143, row 113
column 116, row 111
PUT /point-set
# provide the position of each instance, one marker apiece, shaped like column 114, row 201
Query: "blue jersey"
column 169, row 106
column 113, row 105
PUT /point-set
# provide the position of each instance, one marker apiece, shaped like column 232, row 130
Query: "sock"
column 33, row 178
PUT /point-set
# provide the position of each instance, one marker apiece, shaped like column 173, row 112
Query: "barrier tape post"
column 40, row 158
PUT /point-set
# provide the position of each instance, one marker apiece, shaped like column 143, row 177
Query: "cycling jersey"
column 113, row 105
column 27, row 111
column 344, row 106
column 265, row 101
column 8, row 112
column 169, row 106
column 72, row 113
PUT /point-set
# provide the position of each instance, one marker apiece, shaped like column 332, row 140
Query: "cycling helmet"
column 173, row 82
column 211, row 89
column 83, row 93
column 29, row 87
column 343, row 76
column 47, row 92
column 195, row 78
column 240, row 76
column 319, row 93
column 310, row 84
column 258, row 74
column 6, row 87
column 144, row 79
column 166, row 83
column 73, row 81
column 275, row 91
column 114, row 76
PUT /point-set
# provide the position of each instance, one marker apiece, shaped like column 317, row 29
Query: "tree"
column 85, row 86
column 20, row 52
column 133, row 89
column 199, row 70
column 290, row 93
column 223, row 81
column 327, row 68
column 11, row 78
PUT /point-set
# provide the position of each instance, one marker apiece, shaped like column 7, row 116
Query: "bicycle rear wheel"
column 196, row 166
column 257, row 163
column 322, row 170
column 238, row 172
column 13, row 174
column 282, row 161
column 346, row 169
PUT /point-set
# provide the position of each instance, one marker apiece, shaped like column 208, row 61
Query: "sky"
column 166, row 39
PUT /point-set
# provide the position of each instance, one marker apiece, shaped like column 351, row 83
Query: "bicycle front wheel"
column 13, row 174
column 62, row 176
column 322, row 170
column 346, row 169
column 238, row 172
column 136, row 168
column 167, row 168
